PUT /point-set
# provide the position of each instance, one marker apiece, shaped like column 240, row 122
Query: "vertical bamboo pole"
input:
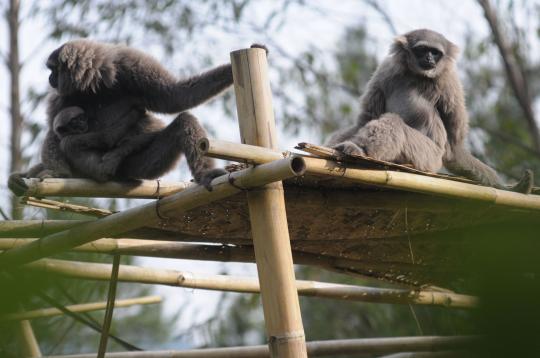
column 29, row 344
column 267, row 210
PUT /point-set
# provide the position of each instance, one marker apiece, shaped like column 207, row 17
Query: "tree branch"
column 514, row 71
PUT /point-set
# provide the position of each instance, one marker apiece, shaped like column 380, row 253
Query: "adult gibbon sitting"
column 116, row 86
column 413, row 111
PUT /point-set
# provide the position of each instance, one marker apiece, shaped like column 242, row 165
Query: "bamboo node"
column 276, row 341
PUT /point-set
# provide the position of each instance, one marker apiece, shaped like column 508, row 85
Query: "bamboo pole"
column 424, row 184
column 36, row 228
column 29, row 344
column 243, row 153
column 136, row 189
column 384, row 178
column 83, row 307
column 368, row 346
column 268, row 218
column 12, row 229
column 153, row 212
column 222, row 253
column 128, row 273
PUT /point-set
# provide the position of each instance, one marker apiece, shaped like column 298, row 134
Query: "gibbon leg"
column 389, row 138
column 163, row 151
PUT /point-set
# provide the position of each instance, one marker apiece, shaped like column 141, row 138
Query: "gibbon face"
column 427, row 53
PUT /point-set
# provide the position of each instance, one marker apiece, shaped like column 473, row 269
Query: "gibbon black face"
column 53, row 64
column 426, row 56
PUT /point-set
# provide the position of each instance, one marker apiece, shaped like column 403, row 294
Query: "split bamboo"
column 369, row 346
column 136, row 189
column 83, row 307
column 267, row 214
column 153, row 212
column 128, row 273
column 66, row 207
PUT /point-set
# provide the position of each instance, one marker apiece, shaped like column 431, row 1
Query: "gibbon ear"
column 400, row 43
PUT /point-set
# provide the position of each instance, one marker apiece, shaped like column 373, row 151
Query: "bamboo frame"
column 137, row 189
column 130, row 219
column 128, row 273
column 267, row 214
column 83, row 307
column 383, row 178
column 314, row 349
column 228, row 253
column 222, row 253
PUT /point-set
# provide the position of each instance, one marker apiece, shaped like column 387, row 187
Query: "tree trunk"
column 514, row 71
column 14, row 68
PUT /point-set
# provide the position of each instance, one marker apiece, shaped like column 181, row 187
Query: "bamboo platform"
column 350, row 214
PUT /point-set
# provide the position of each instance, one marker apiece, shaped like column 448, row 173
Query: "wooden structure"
column 349, row 214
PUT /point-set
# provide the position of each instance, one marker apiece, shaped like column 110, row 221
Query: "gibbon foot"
column 209, row 175
column 349, row 148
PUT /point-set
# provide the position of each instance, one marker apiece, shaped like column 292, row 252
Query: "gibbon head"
column 82, row 66
column 426, row 53
column 70, row 120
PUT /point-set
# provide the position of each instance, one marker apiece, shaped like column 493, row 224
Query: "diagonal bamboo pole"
column 268, row 218
column 330, row 348
column 128, row 273
column 83, row 307
column 130, row 219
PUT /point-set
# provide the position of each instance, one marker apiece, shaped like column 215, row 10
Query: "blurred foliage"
column 143, row 326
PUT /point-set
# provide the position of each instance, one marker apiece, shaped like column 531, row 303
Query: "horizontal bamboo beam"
column 153, row 212
column 127, row 273
column 243, row 153
column 221, row 253
column 83, row 307
column 383, row 178
column 136, row 189
column 336, row 347
column 424, row 184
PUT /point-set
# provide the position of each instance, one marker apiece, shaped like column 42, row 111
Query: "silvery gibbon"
column 413, row 111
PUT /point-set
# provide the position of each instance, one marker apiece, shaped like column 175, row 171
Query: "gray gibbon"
column 413, row 111
column 116, row 87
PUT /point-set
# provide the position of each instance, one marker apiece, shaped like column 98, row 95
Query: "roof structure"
column 352, row 214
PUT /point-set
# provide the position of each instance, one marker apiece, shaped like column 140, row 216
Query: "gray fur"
column 116, row 87
column 414, row 114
